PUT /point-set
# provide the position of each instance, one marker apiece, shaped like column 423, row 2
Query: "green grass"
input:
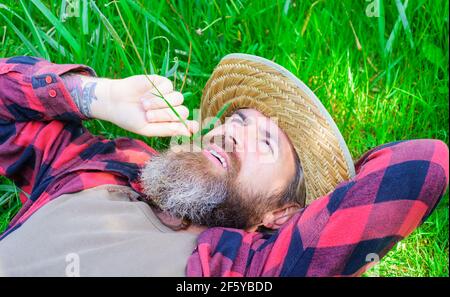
column 382, row 78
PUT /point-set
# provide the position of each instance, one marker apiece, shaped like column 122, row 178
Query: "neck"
column 177, row 224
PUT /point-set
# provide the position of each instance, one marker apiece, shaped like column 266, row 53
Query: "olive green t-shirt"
column 95, row 232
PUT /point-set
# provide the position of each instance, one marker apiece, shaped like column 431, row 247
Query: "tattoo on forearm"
column 82, row 96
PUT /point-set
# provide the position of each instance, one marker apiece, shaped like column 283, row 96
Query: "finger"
column 147, row 83
column 170, row 129
column 167, row 115
column 162, row 86
column 194, row 126
column 174, row 99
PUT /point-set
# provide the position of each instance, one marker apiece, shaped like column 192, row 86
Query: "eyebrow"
column 241, row 115
column 268, row 135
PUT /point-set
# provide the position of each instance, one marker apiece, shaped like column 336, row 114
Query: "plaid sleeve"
column 44, row 148
column 395, row 190
column 32, row 89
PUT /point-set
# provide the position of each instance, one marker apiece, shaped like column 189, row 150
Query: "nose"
column 239, row 136
column 226, row 137
column 235, row 137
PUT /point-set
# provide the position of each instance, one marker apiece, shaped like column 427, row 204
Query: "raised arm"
column 33, row 89
column 44, row 147
column 396, row 188
column 42, row 105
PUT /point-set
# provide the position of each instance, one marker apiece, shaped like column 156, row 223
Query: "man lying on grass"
column 273, row 191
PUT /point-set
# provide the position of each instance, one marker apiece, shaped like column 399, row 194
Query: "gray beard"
column 183, row 185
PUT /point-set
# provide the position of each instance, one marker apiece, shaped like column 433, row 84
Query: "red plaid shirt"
column 47, row 152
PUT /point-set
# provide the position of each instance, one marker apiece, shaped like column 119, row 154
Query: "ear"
column 276, row 218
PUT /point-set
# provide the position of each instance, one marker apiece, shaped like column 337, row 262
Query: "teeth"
column 216, row 154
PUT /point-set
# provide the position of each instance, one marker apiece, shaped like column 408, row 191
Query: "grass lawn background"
column 383, row 78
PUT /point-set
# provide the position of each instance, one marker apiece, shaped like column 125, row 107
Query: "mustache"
column 222, row 142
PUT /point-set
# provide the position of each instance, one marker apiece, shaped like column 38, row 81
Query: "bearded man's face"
column 244, row 166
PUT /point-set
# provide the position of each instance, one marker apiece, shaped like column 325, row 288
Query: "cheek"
column 257, row 175
column 261, row 153
column 263, row 176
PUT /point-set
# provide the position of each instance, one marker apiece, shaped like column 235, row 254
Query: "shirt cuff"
column 49, row 87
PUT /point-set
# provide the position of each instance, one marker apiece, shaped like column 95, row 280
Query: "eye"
column 238, row 119
column 267, row 143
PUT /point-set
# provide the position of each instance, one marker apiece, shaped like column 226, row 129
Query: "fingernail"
column 187, row 133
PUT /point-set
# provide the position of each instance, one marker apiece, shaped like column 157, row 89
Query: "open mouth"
column 218, row 156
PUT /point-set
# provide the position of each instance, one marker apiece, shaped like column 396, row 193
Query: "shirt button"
column 52, row 93
column 48, row 79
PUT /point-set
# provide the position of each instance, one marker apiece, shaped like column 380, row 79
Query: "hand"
column 134, row 104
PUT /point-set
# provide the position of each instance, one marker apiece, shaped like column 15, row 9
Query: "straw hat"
column 248, row 81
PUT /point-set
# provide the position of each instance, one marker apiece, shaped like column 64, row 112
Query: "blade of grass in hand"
column 213, row 121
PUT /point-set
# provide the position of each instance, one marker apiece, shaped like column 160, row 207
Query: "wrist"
column 92, row 95
column 100, row 99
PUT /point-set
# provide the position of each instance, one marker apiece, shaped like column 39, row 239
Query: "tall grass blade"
column 160, row 95
column 35, row 33
column 58, row 26
column 401, row 10
column 381, row 29
column 210, row 125
column 108, row 25
column 22, row 37
column 393, row 35
column 85, row 17
column 56, row 45
column 140, row 9
column 131, row 18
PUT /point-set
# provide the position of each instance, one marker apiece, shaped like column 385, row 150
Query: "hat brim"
column 248, row 81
